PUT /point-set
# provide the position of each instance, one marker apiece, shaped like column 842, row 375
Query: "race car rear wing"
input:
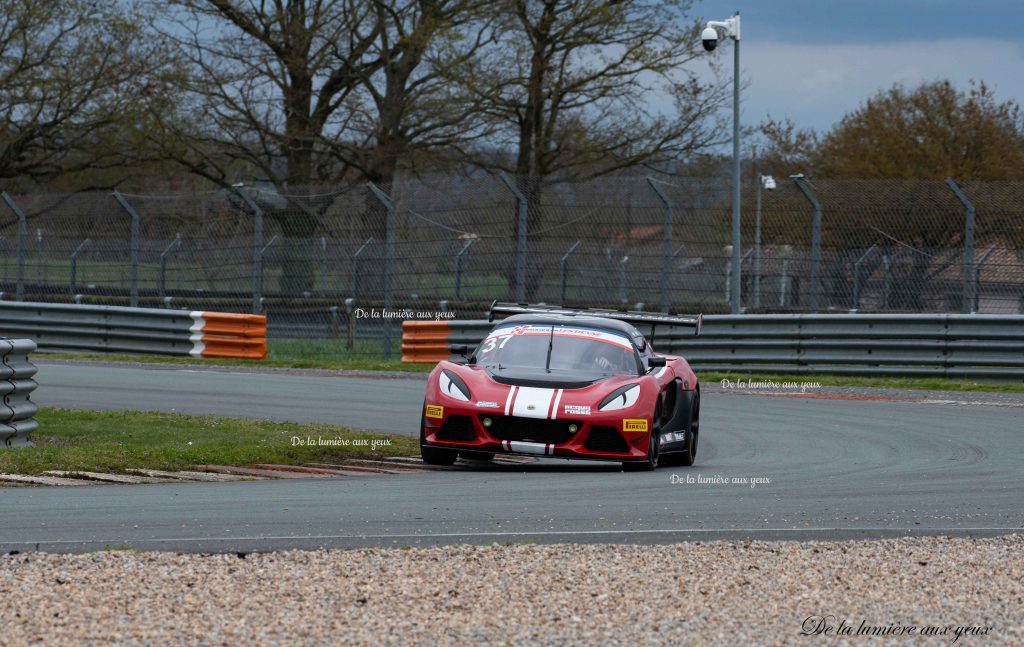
column 632, row 316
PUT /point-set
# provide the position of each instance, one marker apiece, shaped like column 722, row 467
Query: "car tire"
column 688, row 456
column 434, row 455
column 652, row 448
column 437, row 455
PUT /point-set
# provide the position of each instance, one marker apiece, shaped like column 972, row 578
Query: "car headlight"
column 453, row 386
column 621, row 398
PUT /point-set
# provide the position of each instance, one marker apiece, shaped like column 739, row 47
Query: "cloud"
column 816, row 84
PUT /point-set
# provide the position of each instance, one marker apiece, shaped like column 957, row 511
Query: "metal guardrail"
column 989, row 346
column 199, row 333
column 16, row 385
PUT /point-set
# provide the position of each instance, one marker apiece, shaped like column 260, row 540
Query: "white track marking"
column 913, row 532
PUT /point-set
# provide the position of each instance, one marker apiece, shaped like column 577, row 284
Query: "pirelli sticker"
column 632, row 424
column 437, row 411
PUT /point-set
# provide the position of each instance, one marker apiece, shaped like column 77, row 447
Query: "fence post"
column 969, row 290
column 887, row 286
column 856, row 275
column 173, row 247
column 623, row 296
column 263, row 253
column 815, row 241
column 458, row 266
column 22, row 233
column 335, row 324
column 521, row 239
column 133, row 299
column 666, row 258
column 563, row 274
column 82, row 247
column 350, row 323
column 784, row 276
column 977, row 277
column 355, row 266
column 257, row 249
column 389, row 262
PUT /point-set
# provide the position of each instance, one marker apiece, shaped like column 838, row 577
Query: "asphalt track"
column 838, row 469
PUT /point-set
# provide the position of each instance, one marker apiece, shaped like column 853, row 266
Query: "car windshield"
column 589, row 351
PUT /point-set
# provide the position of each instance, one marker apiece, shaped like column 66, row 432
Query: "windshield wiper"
column 551, row 343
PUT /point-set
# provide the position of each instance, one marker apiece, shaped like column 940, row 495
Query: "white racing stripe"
column 511, row 396
column 554, row 409
column 532, row 403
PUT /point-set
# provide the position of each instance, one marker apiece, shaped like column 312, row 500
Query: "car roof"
column 574, row 320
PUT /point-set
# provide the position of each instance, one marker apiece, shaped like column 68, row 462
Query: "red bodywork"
column 528, row 420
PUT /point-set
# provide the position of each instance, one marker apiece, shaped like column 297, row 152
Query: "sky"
column 816, row 60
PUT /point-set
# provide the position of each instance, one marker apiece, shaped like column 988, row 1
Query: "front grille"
column 605, row 439
column 457, row 428
column 554, row 432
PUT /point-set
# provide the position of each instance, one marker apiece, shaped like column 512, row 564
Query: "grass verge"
column 281, row 353
column 70, row 439
column 924, row 383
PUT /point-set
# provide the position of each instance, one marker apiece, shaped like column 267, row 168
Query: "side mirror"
column 655, row 362
column 458, row 349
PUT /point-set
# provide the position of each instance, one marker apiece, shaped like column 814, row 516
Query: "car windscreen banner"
column 545, row 330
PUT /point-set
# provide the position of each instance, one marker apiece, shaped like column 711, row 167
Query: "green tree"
column 878, row 171
column 932, row 132
column 784, row 148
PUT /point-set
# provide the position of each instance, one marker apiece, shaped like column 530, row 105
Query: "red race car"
column 551, row 381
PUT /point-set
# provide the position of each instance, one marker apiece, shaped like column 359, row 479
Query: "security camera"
column 710, row 38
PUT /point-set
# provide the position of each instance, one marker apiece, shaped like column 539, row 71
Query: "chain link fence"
column 320, row 261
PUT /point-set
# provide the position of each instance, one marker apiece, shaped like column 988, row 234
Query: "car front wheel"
column 652, row 448
column 687, row 456
column 434, row 455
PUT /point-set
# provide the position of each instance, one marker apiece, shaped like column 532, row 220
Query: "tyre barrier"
column 934, row 345
column 116, row 329
column 426, row 342
column 16, row 385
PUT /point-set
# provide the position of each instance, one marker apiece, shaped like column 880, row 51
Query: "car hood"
column 552, row 380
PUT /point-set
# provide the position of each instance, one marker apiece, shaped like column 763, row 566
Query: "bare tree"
column 308, row 91
column 582, row 88
column 412, row 114
column 299, row 92
column 267, row 82
column 71, row 77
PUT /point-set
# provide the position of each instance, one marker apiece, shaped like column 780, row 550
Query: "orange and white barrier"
column 148, row 331
column 425, row 342
column 230, row 335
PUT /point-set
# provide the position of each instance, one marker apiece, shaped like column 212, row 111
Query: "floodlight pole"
column 731, row 29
